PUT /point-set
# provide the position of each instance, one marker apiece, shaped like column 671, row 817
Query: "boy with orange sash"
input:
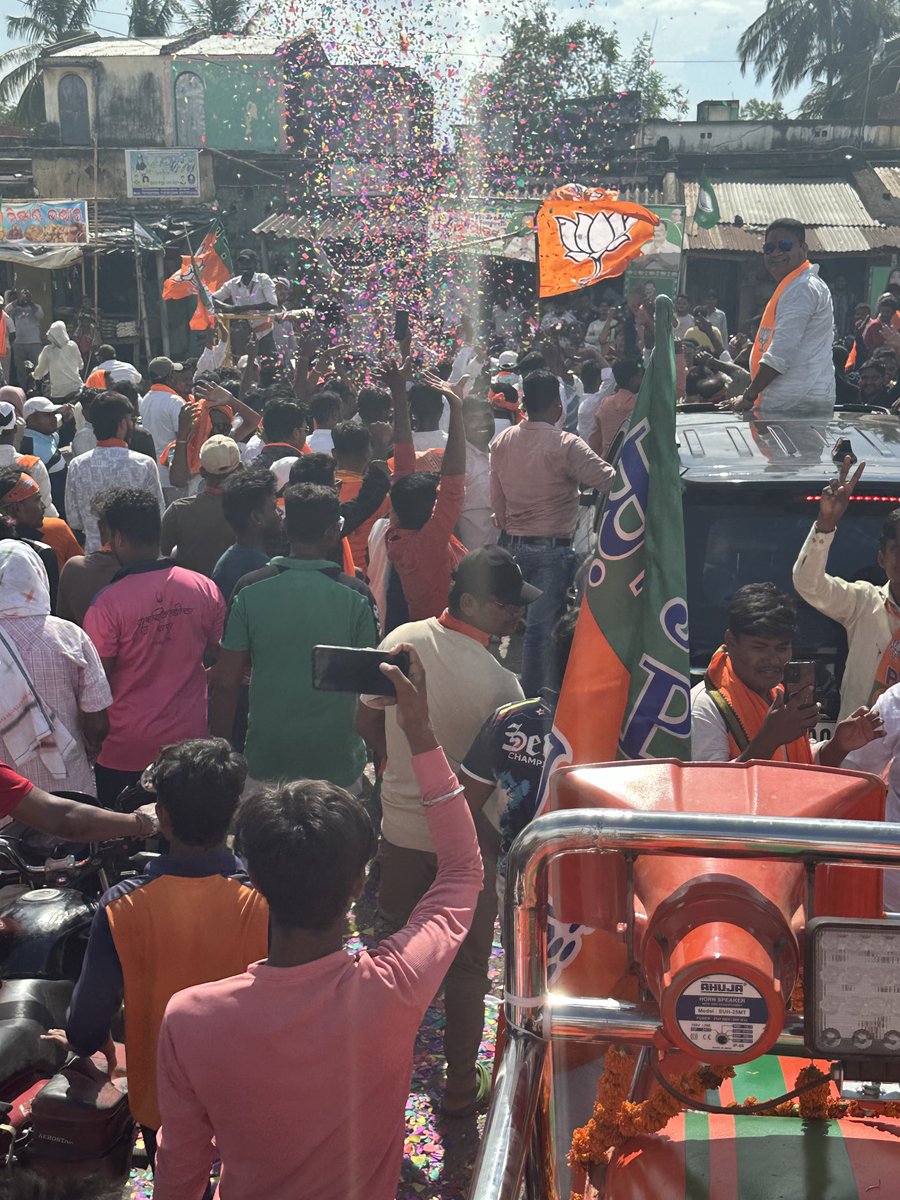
column 791, row 363
column 741, row 710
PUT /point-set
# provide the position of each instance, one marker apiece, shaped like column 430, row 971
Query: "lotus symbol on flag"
column 591, row 237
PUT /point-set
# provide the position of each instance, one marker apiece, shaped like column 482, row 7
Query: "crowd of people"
column 173, row 548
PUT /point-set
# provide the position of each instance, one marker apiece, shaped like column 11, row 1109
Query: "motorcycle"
column 55, row 1110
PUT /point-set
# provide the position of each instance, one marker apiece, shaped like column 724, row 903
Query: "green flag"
column 144, row 239
column 706, row 213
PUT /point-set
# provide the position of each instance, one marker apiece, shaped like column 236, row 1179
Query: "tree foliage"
column 762, row 110
column 40, row 25
column 153, row 18
column 546, row 63
column 217, row 16
column 826, row 43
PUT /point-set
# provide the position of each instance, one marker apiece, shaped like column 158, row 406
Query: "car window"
column 744, row 540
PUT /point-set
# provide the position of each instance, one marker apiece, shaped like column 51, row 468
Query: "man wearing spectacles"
column 790, row 363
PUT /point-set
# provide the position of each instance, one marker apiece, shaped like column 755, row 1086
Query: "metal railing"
column 534, row 1016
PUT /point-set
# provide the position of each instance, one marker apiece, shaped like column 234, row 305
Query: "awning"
column 836, row 220
column 496, row 228
column 359, row 226
column 48, row 258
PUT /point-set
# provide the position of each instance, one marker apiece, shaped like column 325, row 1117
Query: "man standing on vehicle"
column 791, row 363
column 870, row 613
column 741, row 710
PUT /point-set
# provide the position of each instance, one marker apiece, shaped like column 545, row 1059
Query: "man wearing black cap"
column 249, row 291
column 466, row 684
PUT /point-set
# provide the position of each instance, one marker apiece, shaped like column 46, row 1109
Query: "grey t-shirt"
column 27, row 320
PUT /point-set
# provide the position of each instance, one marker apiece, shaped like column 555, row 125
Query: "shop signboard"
column 44, row 223
column 157, row 173
column 659, row 262
column 501, row 231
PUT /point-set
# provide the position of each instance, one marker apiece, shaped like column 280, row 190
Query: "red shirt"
column 424, row 558
column 13, row 788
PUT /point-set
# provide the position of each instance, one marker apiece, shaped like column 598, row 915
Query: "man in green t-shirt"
column 277, row 615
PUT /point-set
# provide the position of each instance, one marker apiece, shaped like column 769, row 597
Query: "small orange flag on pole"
column 586, row 234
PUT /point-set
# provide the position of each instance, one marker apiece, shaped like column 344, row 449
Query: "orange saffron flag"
column 586, row 234
column 212, row 274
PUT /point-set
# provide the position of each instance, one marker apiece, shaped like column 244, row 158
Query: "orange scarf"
column 766, row 330
column 744, row 710
column 4, row 340
column 448, row 621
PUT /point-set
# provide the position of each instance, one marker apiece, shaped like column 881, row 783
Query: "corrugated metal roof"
column 814, row 202
column 231, row 45
column 354, row 226
column 824, row 240
column 114, row 48
column 890, row 177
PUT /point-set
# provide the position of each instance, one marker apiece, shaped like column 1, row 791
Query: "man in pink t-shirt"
column 152, row 626
column 616, row 408
column 300, row 1067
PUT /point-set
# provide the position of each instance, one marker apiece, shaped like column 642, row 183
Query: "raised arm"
column 418, row 956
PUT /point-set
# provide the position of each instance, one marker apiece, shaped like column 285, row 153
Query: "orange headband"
column 499, row 400
column 25, row 488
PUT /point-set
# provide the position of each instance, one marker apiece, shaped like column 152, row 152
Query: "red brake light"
column 878, row 499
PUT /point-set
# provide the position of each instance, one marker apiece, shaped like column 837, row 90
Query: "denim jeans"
column 552, row 569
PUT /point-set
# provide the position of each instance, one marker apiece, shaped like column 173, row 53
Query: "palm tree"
column 152, row 18
column 44, row 24
column 794, row 40
column 218, row 16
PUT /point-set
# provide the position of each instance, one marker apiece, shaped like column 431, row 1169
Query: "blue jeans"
column 552, row 569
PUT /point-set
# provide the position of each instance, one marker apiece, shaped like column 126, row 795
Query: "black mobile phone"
column 346, row 669
column 842, row 449
column 401, row 325
column 798, row 677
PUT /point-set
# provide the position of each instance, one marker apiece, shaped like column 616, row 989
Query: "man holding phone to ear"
column 742, row 711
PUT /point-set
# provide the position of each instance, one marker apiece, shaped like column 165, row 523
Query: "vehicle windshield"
column 742, row 539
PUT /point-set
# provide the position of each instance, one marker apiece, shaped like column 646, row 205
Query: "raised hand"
column 836, row 496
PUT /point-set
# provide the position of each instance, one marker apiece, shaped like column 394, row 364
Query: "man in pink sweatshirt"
column 300, row 1068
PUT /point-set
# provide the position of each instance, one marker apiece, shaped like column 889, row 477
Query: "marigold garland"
column 615, row 1119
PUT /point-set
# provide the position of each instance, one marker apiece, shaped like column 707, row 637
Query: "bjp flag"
column 586, row 234
column 199, row 275
column 626, row 691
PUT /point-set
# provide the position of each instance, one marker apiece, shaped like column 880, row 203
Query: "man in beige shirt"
column 536, row 471
column 869, row 613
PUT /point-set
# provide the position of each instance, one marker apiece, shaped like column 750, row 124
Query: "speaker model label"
column 721, row 1014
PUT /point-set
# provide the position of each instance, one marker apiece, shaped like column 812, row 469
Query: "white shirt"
column 475, row 527
column 683, row 324
column 251, row 449
column 211, row 358
column 875, row 757
column 860, row 607
column 99, row 470
column 466, row 685
column 718, row 318
column 800, row 351
column 260, row 290
column 587, row 409
column 320, row 441
column 160, row 410
column 709, row 737
column 429, row 439
column 119, row 371
column 63, row 364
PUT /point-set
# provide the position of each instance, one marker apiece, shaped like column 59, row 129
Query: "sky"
column 694, row 40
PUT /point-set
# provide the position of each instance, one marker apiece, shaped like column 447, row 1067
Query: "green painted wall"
column 242, row 101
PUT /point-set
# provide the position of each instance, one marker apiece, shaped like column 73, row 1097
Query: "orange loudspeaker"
column 717, row 950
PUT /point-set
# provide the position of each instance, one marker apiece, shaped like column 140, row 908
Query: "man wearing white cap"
column 194, row 530
column 30, row 463
column 42, row 419
column 160, row 410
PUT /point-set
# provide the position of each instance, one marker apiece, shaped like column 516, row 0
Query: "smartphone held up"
column 347, row 669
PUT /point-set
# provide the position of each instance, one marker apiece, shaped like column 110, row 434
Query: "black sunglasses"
column 784, row 245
